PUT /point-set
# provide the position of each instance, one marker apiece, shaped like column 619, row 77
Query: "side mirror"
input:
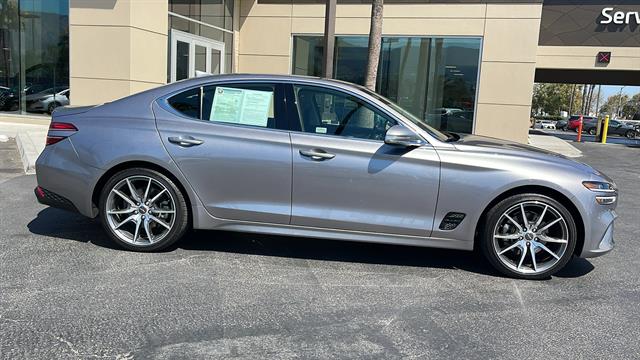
column 402, row 136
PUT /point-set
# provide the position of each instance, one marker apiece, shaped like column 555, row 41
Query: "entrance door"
column 191, row 54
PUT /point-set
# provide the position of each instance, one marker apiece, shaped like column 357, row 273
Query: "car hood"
column 493, row 146
column 37, row 96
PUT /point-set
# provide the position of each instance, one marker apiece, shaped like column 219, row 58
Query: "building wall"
column 117, row 48
column 584, row 57
column 509, row 32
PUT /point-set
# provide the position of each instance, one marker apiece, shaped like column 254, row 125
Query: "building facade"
column 466, row 66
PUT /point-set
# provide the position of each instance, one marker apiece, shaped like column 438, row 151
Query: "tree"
column 375, row 43
column 553, row 98
column 632, row 106
column 612, row 105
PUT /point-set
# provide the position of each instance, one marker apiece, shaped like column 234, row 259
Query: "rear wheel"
column 143, row 210
column 592, row 131
column 630, row 134
column 529, row 236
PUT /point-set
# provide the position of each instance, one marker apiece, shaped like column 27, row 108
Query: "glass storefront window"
column 10, row 56
column 217, row 13
column 34, row 64
column 435, row 79
column 214, row 12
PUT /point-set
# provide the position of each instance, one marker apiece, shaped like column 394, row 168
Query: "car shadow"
column 577, row 267
column 66, row 225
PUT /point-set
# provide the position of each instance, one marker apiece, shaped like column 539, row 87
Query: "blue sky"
column 608, row 90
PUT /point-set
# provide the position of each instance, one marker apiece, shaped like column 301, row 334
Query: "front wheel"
column 592, row 131
column 143, row 210
column 630, row 134
column 528, row 236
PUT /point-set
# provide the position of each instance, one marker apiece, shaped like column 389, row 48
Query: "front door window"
column 328, row 112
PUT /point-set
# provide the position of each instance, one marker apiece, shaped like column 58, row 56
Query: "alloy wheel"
column 140, row 210
column 531, row 237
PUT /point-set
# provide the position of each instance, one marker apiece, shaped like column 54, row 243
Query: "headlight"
column 599, row 186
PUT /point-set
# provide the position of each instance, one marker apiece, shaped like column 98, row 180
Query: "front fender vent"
column 451, row 221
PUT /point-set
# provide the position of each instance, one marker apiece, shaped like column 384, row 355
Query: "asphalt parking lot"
column 66, row 292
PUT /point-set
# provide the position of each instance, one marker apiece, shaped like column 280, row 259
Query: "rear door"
column 231, row 143
column 344, row 175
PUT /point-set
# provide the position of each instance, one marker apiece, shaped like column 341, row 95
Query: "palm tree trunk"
column 375, row 43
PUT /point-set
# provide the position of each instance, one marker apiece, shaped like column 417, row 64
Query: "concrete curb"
column 30, row 141
column 27, row 148
column 24, row 119
column 552, row 143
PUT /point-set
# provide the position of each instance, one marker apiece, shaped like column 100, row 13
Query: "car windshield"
column 409, row 116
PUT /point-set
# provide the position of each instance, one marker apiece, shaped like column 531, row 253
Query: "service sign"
column 590, row 23
column 609, row 16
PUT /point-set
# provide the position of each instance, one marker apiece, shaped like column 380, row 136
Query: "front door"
column 231, row 143
column 192, row 55
column 346, row 177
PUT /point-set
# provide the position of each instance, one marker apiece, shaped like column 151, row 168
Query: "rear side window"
column 187, row 103
column 252, row 105
column 258, row 105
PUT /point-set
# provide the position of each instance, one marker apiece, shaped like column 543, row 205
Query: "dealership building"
column 462, row 65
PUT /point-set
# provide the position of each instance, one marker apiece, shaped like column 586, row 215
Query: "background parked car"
column 574, row 121
column 451, row 119
column 48, row 100
column 544, row 124
column 562, row 125
column 10, row 99
column 615, row 128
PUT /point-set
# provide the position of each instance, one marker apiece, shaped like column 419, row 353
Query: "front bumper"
column 601, row 240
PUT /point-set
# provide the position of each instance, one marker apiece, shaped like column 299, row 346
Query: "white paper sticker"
column 321, row 130
column 241, row 106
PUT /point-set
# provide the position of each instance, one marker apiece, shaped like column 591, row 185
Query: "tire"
column 592, row 131
column 630, row 134
column 52, row 107
column 545, row 265
column 147, row 228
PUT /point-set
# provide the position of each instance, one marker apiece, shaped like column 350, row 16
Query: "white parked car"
column 544, row 124
column 48, row 100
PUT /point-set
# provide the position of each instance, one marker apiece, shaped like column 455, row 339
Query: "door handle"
column 185, row 141
column 317, row 154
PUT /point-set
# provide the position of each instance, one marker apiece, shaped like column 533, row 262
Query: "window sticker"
column 321, row 130
column 241, row 106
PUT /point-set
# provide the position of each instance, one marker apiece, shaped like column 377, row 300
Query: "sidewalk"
column 30, row 134
column 552, row 143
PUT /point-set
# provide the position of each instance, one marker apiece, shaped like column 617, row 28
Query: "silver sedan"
column 321, row 159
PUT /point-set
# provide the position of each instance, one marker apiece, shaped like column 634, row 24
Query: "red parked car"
column 574, row 121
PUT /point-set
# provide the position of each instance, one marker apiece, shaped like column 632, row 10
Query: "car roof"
column 263, row 77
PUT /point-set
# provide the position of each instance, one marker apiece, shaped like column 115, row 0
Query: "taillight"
column 59, row 131
column 62, row 126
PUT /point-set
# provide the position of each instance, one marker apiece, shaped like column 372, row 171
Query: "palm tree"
column 375, row 42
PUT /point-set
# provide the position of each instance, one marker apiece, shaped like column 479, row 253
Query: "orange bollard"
column 580, row 129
